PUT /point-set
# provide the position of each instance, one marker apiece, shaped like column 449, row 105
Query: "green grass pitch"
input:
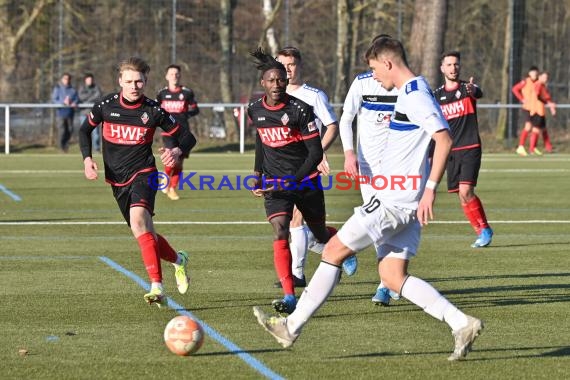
column 79, row 318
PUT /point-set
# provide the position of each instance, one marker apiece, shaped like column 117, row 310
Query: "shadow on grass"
column 499, row 246
column 553, row 351
column 498, row 276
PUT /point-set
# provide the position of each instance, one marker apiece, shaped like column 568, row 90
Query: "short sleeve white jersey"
column 320, row 102
column 404, row 164
column 373, row 106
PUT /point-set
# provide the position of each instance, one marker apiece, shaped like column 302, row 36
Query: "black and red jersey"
column 128, row 131
column 287, row 140
column 460, row 111
column 181, row 103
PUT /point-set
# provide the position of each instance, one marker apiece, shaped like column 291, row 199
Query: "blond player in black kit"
column 129, row 121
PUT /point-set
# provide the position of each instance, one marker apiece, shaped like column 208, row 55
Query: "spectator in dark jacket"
column 64, row 93
column 89, row 92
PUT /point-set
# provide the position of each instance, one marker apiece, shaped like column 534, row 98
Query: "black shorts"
column 463, row 167
column 526, row 115
column 137, row 193
column 310, row 200
column 538, row 121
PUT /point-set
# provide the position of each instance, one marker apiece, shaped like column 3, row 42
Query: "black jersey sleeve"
column 93, row 119
column 258, row 163
column 193, row 109
column 478, row 93
column 85, row 138
column 312, row 141
column 183, row 139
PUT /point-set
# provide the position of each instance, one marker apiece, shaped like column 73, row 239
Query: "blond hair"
column 133, row 64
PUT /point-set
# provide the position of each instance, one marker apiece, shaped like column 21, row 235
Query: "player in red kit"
column 180, row 102
column 458, row 101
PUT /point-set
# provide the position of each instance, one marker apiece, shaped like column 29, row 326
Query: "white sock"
column 381, row 285
column 315, row 294
column 156, row 285
column 178, row 259
column 299, row 245
column 432, row 302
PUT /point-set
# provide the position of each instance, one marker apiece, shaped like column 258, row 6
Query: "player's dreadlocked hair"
column 264, row 61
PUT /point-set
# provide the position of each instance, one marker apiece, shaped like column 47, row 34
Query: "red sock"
column 169, row 170
column 478, row 213
column 533, row 141
column 165, row 250
column 149, row 251
column 332, row 231
column 546, row 138
column 522, row 139
column 471, row 218
column 174, row 178
column 282, row 261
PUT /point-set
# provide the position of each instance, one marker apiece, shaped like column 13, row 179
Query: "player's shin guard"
column 165, row 250
column 477, row 212
column 432, row 302
column 175, row 177
column 282, row 263
column 471, row 217
column 315, row 294
column 547, row 142
column 151, row 259
column 299, row 247
column 522, row 139
column 533, row 141
column 169, row 170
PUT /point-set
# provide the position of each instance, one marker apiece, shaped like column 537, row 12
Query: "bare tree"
column 12, row 31
column 226, row 42
column 342, row 49
column 502, row 120
column 427, row 38
column 270, row 13
column 417, row 41
column 433, row 43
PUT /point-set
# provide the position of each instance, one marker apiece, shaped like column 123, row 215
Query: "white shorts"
column 394, row 231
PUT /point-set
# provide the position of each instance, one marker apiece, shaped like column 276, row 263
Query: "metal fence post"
column 7, row 129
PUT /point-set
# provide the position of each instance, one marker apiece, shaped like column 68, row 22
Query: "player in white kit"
column 373, row 106
column 392, row 216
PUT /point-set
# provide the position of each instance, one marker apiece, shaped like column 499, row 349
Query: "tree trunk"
column 270, row 14
column 356, row 24
column 433, row 41
column 417, row 40
column 502, row 119
column 10, row 41
column 426, row 40
column 226, row 42
column 344, row 22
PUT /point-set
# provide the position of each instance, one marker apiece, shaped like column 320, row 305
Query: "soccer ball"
column 183, row 335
